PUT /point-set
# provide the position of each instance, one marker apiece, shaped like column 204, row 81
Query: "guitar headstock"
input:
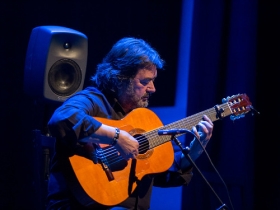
column 239, row 105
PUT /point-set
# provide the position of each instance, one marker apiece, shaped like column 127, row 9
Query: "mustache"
column 147, row 95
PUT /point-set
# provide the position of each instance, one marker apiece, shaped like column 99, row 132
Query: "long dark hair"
column 122, row 63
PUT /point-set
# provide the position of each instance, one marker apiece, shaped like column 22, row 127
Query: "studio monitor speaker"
column 55, row 64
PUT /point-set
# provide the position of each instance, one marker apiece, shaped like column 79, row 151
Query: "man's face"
column 139, row 90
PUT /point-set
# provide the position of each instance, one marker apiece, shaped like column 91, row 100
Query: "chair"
column 43, row 147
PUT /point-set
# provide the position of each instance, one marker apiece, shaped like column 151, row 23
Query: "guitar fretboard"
column 185, row 123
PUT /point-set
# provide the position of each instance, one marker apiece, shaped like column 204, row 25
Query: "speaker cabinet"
column 55, row 64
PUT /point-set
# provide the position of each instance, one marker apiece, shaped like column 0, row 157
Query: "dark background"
column 234, row 48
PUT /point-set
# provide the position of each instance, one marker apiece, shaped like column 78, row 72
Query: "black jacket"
column 74, row 120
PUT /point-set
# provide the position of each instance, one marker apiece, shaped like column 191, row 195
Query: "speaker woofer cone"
column 64, row 77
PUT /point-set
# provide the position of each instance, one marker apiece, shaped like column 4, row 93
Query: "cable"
column 206, row 153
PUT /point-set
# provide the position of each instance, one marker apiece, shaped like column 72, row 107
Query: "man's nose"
column 151, row 87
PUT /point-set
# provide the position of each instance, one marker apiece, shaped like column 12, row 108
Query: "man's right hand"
column 127, row 145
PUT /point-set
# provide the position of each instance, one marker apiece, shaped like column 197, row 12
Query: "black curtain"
column 232, row 53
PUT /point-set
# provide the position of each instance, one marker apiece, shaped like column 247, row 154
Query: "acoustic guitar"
column 109, row 179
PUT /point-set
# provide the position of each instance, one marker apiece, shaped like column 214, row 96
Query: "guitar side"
column 93, row 178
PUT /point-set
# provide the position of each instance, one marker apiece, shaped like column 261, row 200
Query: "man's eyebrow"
column 147, row 79
column 151, row 78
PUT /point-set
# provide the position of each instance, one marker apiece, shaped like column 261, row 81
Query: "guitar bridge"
column 108, row 172
column 102, row 159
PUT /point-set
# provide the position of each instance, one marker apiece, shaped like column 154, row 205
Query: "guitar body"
column 94, row 180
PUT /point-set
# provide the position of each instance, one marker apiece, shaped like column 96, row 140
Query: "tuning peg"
column 232, row 117
column 224, row 100
column 254, row 110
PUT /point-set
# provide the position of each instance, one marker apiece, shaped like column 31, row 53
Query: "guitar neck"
column 187, row 123
column 193, row 120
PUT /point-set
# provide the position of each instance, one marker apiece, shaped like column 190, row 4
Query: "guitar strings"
column 151, row 139
column 152, row 135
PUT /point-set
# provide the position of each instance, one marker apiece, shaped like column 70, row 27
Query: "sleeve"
column 74, row 120
column 175, row 176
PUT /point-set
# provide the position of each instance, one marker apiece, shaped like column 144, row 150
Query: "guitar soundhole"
column 144, row 145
